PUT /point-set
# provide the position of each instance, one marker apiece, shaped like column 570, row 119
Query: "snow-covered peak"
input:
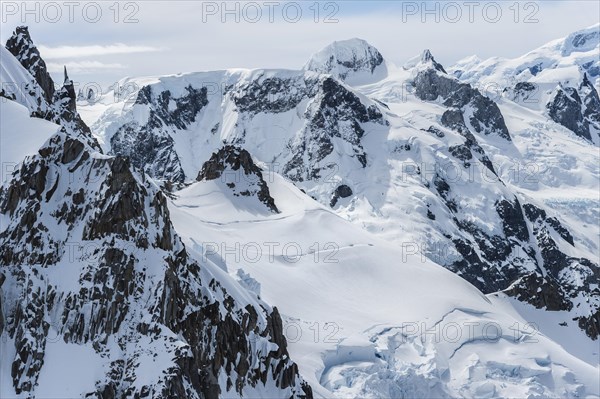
column 21, row 45
column 546, row 79
column 466, row 63
column 423, row 61
column 354, row 61
column 428, row 60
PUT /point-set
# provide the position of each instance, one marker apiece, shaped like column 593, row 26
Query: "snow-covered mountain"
column 99, row 296
column 418, row 157
column 350, row 229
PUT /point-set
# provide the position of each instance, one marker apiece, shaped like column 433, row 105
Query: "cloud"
column 61, row 52
column 83, row 66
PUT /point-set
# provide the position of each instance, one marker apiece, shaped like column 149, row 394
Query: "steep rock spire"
column 427, row 58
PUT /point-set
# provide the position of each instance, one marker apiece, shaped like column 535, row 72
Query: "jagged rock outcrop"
column 43, row 99
column 133, row 282
column 432, row 83
column 591, row 102
column 576, row 277
column 272, row 94
column 565, row 109
column 341, row 191
column 234, row 168
column 491, row 261
column 65, row 107
column 427, row 59
column 22, row 47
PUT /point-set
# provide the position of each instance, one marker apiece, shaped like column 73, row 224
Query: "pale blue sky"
column 171, row 37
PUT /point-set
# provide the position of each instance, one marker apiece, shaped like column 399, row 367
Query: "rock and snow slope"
column 560, row 79
column 330, row 192
column 365, row 319
column 98, row 294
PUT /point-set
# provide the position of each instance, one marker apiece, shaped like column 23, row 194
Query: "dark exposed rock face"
column 7, row 94
column 566, row 109
column 504, row 261
column 65, row 110
column 525, row 260
column 577, row 109
column 499, row 258
column 486, row 118
column 150, row 146
column 342, row 191
column 541, row 292
column 523, row 92
column 136, row 286
column 453, row 119
column 22, row 47
column 271, row 94
column 566, row 282
column 336, row 113
column 427, row 58
column 591, row 102
column 513, row 225
column 235, row 168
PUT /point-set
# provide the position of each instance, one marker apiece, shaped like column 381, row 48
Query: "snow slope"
column 356, row 308
column 21, row 135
